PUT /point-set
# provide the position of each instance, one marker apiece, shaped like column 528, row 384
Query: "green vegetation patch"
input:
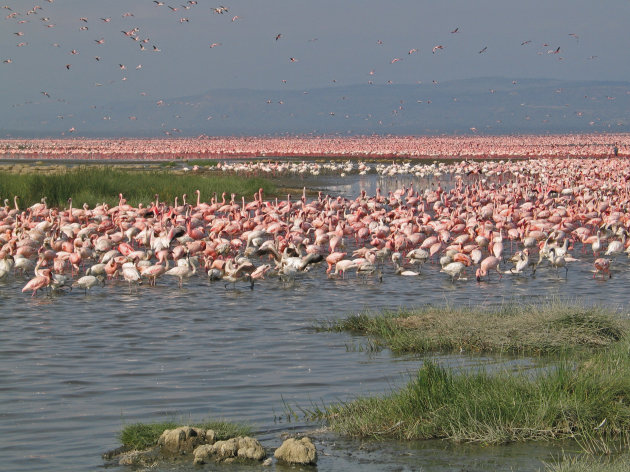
column 549, row 328
column 144, row 435
column 582, row 394
column 587, row 463
column 567, row 400
column 98, row 184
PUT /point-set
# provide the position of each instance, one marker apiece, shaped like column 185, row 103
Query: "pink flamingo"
column 38, row 282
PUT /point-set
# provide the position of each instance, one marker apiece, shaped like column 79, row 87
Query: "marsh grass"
column 561, row 402
column 544, row 329
column 98, row 184
column 583, row 394
column 144, row 435
column 588, row 463
column 203, row 162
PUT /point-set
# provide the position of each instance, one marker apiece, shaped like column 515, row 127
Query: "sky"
column 89, row 53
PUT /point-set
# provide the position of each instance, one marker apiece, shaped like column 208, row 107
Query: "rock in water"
column 182, row 440
column 239, row 447
column 250, row 448
column 139, row 458
column 297, row 451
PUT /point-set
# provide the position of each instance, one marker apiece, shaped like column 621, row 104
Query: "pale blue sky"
column 333, row 43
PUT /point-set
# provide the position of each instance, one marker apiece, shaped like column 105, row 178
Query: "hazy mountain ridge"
column 481, row 105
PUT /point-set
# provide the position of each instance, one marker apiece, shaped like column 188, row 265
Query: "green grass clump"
column 145, row 435
column 586, row 463
column 583, row 394
column 98, row 184
column 203, row 162
column 543, row 329
column 566, row 400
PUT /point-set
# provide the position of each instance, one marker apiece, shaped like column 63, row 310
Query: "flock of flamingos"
column 489, row 219
column 361, row 147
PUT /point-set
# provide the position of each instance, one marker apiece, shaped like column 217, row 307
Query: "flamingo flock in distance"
column 324, row 147
column 495, row 218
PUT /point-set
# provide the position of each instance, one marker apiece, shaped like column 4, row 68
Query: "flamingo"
column 87, row 282
column 454, row 269
column 602, row 266
column 182, row 271
column 131, row 274
column 616, row 247
column 37, row 282
column 488, row 264
column 517, row 259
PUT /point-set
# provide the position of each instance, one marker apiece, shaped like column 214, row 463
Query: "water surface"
column 76, row 368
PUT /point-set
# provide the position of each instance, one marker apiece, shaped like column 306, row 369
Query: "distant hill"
column 483, row 105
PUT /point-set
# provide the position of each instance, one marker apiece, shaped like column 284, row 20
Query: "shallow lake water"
column 76, row 368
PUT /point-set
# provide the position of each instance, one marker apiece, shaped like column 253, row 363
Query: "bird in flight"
column 456, row 30
column 435, row 48
column 278, row 36
column 483, row 49
column 526, row 42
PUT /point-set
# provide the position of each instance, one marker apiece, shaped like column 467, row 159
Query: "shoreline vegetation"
column 102, row 184
column 582, row 391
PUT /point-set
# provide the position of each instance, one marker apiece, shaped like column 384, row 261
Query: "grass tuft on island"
column 584, row 394
column 95, row 184
column 567, row 400
column 549, row 328
column 144, row 435
column 587, row 463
